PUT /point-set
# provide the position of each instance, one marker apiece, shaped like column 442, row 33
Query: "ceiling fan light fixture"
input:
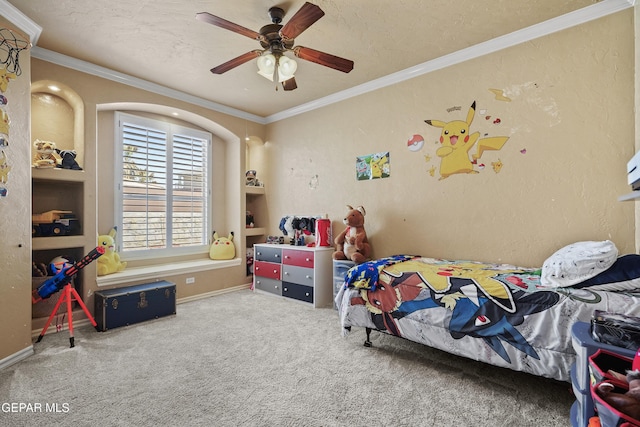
column 286, row 67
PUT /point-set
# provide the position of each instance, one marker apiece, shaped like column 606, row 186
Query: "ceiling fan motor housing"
column 272, row 40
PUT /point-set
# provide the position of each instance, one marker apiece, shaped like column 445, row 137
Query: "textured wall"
column 570, row 124
column 15, row 217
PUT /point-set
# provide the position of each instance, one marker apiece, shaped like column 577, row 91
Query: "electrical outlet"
column 191, row 280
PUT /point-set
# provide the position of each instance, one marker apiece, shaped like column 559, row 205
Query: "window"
column 163, row 193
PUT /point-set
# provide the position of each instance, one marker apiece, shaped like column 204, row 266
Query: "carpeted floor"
column 248, row 359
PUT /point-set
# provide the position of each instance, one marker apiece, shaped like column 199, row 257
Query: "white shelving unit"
column 634, row 195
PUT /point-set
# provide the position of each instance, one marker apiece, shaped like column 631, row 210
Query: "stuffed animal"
column 628, row 403
column 352, row 243
column 222, row 247
column 44, row 156
column 68, row 160
column 109, row 262
column 251, row 179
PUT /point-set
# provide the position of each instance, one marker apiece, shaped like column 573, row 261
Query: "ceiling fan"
column 276, row 39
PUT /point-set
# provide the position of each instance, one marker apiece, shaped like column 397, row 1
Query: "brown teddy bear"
column 352, row 243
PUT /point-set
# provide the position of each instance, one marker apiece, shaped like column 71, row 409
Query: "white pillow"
column 577, row 262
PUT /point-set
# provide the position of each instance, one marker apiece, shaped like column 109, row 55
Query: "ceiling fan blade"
column 304, row 17
column 227, row 25
column 290, row 84
column 223, row 68
column 326, row 59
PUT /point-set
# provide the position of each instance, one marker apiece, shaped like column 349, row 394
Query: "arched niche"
column 57, row 114
column 254, row 147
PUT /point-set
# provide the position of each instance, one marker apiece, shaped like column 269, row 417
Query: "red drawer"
column 267, row 269
column 299, row 258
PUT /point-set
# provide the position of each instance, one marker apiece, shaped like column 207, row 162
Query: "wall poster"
column 373, row 166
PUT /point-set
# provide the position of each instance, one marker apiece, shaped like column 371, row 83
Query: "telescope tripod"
column 68, row 295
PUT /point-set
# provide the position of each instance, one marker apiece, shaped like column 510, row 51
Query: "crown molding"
column 106, row 73
column 568, row 20
column 22, row 21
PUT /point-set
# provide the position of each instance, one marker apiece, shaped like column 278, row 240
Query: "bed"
column 504, row 315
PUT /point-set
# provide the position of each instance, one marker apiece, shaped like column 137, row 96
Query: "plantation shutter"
column 164, row 187
column 144, row 189
column 189, row 198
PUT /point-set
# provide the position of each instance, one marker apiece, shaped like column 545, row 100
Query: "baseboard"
column 16, row 357
column 213, row 293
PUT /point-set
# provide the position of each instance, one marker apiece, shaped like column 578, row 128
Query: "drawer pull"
column 257, row 268
column 285, row 289
column 306, row 294
column 286, row 273
column 307, row 259
column 275, row 271
column 287, row 256
column 275, row 286
column 308, row 277
column 277, row 256
column 258, row 282
column 259, row 253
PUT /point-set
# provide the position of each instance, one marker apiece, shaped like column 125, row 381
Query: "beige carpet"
column 246, row 359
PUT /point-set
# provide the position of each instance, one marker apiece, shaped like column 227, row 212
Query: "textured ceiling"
column 161, row 41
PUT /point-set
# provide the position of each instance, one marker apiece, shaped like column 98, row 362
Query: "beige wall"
column 15, row 223
column 572, row 110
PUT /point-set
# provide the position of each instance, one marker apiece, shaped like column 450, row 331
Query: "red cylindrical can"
column 323, row 232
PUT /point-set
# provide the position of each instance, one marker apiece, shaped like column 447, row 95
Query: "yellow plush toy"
column 109, row 262
column 222, row 247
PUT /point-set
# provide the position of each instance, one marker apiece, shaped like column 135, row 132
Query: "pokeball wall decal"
column 415, row 143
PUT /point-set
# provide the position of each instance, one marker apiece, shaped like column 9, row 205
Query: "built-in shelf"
column 630, row 196
column 254, row 190
column 255, row 231
column 57, row 174
column 57, row 242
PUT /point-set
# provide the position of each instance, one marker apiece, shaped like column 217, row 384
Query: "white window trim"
column 118, row 202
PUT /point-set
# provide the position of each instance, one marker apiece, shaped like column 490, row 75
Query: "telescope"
column 64, row 276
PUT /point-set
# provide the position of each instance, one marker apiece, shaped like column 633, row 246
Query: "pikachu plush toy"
column 109, row 262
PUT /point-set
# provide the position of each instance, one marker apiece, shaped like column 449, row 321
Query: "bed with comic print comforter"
column 494, row 313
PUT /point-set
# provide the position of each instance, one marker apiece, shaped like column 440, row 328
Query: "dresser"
column 585, row 346
column 298, row 272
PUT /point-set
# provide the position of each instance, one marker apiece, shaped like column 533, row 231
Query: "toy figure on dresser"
column 68, row 160
column 286, row 226
column 109, row 262
column 352, row 244
column 252, row 180
column 296, row 228
column 44, row 156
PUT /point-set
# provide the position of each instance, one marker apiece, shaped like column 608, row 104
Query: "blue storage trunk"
column 134, row 304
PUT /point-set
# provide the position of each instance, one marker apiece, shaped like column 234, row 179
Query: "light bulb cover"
column 286, row 67
column 266, row 63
